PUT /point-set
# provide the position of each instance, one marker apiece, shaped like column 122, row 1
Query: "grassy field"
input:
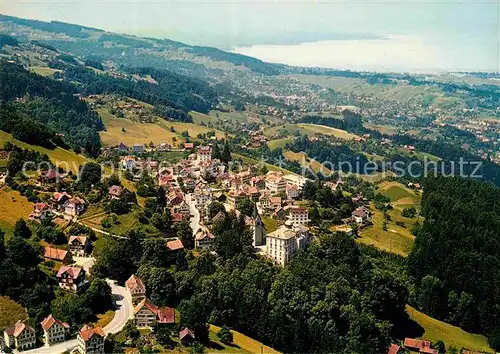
column 252, row 161
column 270, row 223
column 58, row 155
column 246, row 343
column 135, row 132
column 10, row 312
column 450, row 335
column 383, row 129
column 278, row 143
column 44, row 71
column 141, row 133
column 309, row 130
column 305, row 161
column 396, row 239
column 395, row 191
column 13, row 206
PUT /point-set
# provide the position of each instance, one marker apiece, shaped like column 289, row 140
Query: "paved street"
column 124, row 311
column 195, row 219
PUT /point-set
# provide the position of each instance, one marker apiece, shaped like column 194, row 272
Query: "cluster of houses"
column 62, row 204
column 414, row 346
column 147, row 314
column 21, row 336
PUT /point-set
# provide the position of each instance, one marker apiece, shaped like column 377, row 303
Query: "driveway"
column 124, row 310
column 195, row 219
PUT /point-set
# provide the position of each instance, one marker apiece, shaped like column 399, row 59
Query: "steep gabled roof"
column 50, row 320
column 87, row 332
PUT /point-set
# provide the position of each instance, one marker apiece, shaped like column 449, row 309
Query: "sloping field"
column 395, row 191
column 58, row 155
column 278, row 143
column 451, row 336
column 309, row 130
column 246, row 343
column 13, row 206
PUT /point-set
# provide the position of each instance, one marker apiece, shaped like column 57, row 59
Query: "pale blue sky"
column 430, row 35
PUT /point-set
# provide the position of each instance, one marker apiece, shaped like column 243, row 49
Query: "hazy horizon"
column 369, row 35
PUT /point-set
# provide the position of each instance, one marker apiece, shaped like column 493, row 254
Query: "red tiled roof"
column 80, row 238
column 55, row 253
column 134, row 282
column 416, row 343
column 88, row 332
column 166, row 315
column 175, row 245
column 50, row 320
column 203, row 234
column 428, row 350
column 394, row 349
column 18, row 328
column 186, row 332
column 146, row 302
column 74, row 272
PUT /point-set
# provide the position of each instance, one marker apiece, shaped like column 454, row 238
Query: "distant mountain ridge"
column 83, row 40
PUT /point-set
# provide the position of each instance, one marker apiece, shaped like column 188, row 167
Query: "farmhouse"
column 146, row 314
column 56, row 254
column 54, row 330
column 136, row 288
column 79, row 245
column 91, row 340
column 71, row 278
column 20, row 336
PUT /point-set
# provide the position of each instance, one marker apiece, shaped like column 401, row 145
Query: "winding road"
column 124, row 310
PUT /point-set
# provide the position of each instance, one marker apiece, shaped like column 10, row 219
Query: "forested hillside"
column 35, row 108
column 455, row 258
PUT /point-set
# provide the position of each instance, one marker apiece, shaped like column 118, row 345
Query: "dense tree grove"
column 330, row 298
column 455, row 256
column 48, row 107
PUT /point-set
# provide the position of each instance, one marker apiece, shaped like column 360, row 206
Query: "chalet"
column 274, row 202
column 360, row 215
column 298, row 215
column 54, row 331
column 91, row 340
column 79, row 245
column 127, row 162
column 115, row 192
column 204, row 153
column 186, row 337
column 41, row 211
column 136, row 288
column 419, row 345
column 20, row 336
column 219, row 216
column 146, row 314
column 71, row 278
column 175, row 199
column 265, row 201
column 292, row 191
column 55, row 254
column 235, row 197
column 59, row 198
column 276, row 184
column 175, row 245
column 74, row 207
column 204, row 239
column 258, row 182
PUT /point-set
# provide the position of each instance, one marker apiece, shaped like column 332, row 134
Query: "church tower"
column 259, row 230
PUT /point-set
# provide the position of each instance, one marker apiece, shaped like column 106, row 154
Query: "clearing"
column 252, row 161
column 44, row 70
column 278, row 143
column 246, row 343
column 11, row 312
column 395, row 191
column 452, row 336
column 309, row 130
column 62, row 157
column 13, row 206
